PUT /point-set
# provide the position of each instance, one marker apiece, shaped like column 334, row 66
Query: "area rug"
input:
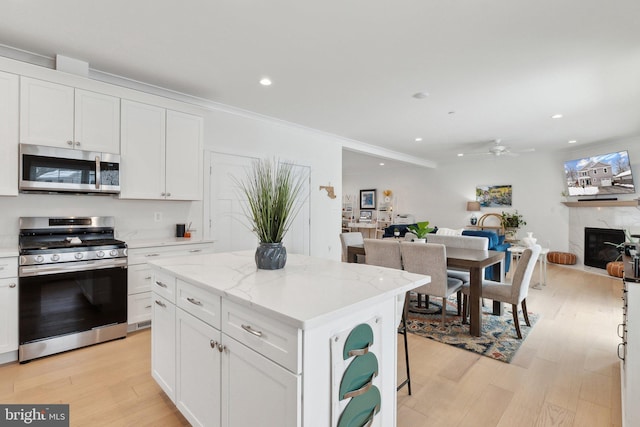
column 498, row 340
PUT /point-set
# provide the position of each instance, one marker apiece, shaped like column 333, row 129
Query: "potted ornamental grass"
column 271, row 189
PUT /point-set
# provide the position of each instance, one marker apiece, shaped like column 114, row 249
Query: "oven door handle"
column 68, row 267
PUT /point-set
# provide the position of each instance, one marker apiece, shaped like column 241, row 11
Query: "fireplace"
column 599, row 246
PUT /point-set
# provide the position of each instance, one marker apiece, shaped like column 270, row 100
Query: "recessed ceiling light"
column 418, row 139
column 556, row 116
column 265, row 81
column 573, row 141
column 421, row 95
column 381, row 164
column 460, row 154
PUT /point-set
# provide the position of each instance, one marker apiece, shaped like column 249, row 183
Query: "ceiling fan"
column 498, row 149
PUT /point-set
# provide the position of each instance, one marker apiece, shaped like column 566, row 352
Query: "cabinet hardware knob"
column 249, row 329
column 160, row 303
column 213, row 344
column 160, row 284
column 168, row 194
column 194, row 301
column 163, row 194
column 69, row 142
column 221, row 347
column 12, row 285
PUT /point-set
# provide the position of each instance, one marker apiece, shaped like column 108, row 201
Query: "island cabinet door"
column 163, row 347
column 197, row 370
column 257, row 391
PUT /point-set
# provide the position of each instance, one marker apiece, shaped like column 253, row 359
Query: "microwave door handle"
column 97, row 172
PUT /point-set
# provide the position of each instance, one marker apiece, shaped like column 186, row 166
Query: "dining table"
column 472, row 260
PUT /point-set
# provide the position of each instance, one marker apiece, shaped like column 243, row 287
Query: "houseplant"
column 421, row 229
column 511, row 223
column 271, row 189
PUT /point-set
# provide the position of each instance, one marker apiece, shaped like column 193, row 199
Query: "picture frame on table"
column 368, row 199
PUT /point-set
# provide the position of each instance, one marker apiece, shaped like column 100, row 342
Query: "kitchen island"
column 235, row 346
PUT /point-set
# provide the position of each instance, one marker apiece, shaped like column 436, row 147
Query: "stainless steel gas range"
column 73, row 284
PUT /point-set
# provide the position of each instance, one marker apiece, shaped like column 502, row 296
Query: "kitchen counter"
column 8, row 252
column 227, row 336
column 306, row 293
column 169, row 241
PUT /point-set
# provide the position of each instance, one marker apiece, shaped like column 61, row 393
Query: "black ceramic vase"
column 271, row 256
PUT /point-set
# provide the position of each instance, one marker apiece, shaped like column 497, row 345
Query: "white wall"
column 440, row 195
column 230, row 133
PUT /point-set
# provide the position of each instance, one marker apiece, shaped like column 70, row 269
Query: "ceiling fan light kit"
column 498, row 149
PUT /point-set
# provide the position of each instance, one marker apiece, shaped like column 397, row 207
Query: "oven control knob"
column 100, row 254
column 39, row 258
column 55, row 257
column 113, row 252
column 78, row 255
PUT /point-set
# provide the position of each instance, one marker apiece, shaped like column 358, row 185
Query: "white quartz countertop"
column 8, row 252
column 305, row 293
column 170, row 241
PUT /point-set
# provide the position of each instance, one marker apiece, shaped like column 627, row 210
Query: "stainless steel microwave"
column 53, row 169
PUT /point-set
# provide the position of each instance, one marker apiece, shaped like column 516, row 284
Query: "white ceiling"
column 492, row 68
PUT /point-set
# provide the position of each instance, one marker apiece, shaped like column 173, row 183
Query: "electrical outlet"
column 157, row 216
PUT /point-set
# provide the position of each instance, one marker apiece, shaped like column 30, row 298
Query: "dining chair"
column 383, row 253
column 350, row 239
column 512, row 292
column 466, row 242
column 386, row 253
column 431, row 259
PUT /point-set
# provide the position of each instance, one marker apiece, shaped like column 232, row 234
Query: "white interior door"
column 229, row 225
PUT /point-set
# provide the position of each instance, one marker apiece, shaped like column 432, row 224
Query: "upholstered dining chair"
column 512, row 292
column 431, row 259
column 466, row 242
column 350, row 239
column 383, row 253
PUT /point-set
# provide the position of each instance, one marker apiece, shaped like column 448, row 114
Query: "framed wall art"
column 367, row 199
column 494, row 196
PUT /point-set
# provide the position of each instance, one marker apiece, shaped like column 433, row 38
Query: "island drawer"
column 198, row 302
column 8, row 267
column 164, row 284
column 273, row 339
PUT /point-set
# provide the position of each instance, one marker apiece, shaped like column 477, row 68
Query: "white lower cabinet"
column 218, row 380
column 8, row 309
column 197, row 370
column 163, row 345
column 256, row 391
column 139, row 277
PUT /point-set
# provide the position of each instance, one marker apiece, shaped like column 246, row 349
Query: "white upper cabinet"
column 9, row 84
column 142, row 151
column 97, row 122
column 62, row 116
column 161, row 153
column 184, row 156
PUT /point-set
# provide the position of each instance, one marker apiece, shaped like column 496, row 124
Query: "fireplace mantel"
column 603, row 203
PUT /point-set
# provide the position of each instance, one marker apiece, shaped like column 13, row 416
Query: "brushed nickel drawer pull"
column 363, row 389
column 148, row 255
column 161, row 304
column 249, row 329
column 161, row 284
column 195, row 250
column 194, row 301
column 147, row 306
column 147, row 278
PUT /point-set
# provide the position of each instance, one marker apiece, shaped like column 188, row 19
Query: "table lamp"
column 473, row 207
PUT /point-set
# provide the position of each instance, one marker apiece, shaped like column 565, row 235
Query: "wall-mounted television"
column 600, row 175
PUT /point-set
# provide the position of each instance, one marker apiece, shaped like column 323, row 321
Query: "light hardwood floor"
column 565, row 374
